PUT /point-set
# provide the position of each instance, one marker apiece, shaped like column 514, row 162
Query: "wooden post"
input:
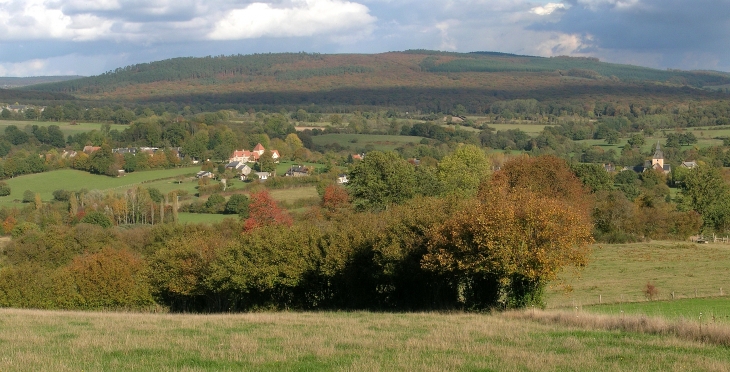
column 600, row 298
column 672, row 295
column 695, row 292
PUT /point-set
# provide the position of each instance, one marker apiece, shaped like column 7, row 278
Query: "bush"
column 215, row 203
column 28, row 196
column 4, row 189
column 62, row 195
column 97, row 218
column 22, row 228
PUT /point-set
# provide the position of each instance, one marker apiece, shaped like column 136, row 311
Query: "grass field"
column 65, row 127
column 620, row 272
column 203, row 217
column 361, row 141
column 69, row 179
column 532, row 129
column 713, row 309
column 341, row 341
column 293, row 194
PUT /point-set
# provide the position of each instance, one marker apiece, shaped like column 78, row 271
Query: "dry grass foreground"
column 341, row 341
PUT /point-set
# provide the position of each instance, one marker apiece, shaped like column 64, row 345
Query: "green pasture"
column 711, row 309
column 619, row 273
column 69, row 179
column 208, row 218
column 340, row 341
column 292, row 195
column 532, row 129
column 65, row 127
column 357, row 142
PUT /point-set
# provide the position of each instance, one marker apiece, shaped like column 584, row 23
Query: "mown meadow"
column 338, row 341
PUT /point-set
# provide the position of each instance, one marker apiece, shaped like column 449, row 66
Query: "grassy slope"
column 69, row 341
column 379, row 142
column 203, row 217
column 619, row 273
column 68, row 179
column 65, row 127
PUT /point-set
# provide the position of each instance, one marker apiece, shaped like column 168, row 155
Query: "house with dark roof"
column 689, row 164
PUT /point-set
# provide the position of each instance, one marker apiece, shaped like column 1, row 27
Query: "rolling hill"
column 418, row 78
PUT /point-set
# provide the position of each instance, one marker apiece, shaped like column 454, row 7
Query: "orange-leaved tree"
column 264, row 211
column 335, row 197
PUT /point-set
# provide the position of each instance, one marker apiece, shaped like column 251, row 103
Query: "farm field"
column 532, row 129
column 619, row 273
column 69, row 179
column 209, row 218
column 294, row 194
column 65, row 127
column 353, row 341
column 713, row 309
column 361, row 141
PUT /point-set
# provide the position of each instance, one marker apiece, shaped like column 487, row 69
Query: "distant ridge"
column 414, row 78
column 17, row 82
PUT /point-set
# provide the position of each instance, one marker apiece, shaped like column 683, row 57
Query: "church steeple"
column 658, row 156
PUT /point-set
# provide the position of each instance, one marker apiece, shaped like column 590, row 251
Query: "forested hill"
column 376, row 79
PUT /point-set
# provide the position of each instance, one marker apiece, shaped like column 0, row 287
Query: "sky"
column 89, row 37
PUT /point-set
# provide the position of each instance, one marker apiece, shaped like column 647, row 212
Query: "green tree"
column 266, row 162
column 215, row 203
column 380, row 179
column 463, row 170
column 636, row 140
column 28, row 196
column 612, row 137
column 593, row 176
column 237, row 204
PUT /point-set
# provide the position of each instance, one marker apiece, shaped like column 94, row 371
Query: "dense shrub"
column 97, row 218
column 4, row 189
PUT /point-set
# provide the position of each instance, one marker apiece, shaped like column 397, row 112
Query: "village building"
column 657, row 161
column 689, row 164
column 246, row 156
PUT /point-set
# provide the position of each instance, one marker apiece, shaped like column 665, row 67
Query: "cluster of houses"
column 655, row 163
column 238, row 162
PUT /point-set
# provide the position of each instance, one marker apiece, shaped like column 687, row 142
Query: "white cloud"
column 25, row 68
column 33, row 20
column 303, row 18
column 547, row 9
column 447, row 42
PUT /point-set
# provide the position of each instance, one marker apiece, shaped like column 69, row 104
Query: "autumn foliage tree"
column 264, row 211
column 502, row 249
column 335, row 197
